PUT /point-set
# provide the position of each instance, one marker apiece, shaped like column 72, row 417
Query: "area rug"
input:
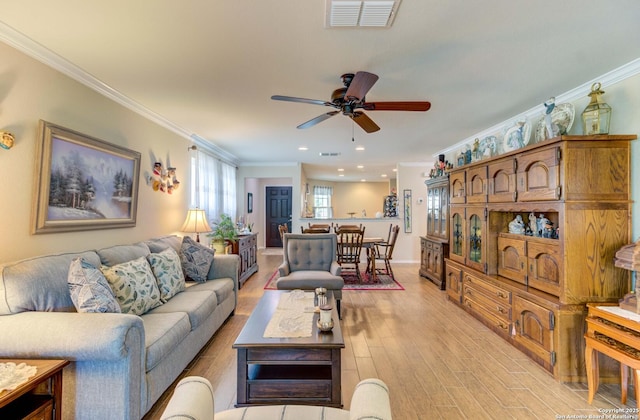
column 383, row 282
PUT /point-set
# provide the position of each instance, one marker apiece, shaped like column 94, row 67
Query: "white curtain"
column 213, row 186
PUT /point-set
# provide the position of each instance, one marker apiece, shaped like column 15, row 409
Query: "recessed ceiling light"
column 340, row 169
column 340, row 174
column 363, row 180
column 395, row 169
column 384, row 175
column 360, row 166
column 303, row 148
column 360, row 148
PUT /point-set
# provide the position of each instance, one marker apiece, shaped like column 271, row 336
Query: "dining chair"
column 383, row 251
column 283, row 228
column 349, row 249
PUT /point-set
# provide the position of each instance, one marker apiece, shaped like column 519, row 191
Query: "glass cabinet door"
column 457, row 247
column 430, row 210
column 444, row 207
column 475, row 246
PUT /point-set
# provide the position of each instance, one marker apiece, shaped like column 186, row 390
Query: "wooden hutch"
column 246, row 246
column 533, row 290
column 434, row 247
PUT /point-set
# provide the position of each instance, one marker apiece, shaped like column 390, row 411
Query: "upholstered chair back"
column 303, row 252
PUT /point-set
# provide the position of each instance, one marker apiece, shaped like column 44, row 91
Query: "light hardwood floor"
column 439, row 362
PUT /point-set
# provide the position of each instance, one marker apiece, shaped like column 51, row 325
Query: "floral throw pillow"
column 89, row 289
column 134, row 286
column 196, row 259
column 168, row 271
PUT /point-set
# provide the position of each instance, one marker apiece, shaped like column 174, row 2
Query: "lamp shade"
column 196, row 222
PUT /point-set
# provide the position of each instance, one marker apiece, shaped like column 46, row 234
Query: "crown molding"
column 608, row 79
column 22, row 43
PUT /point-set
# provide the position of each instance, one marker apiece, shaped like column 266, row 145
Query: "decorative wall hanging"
column 83, row 183
column 163, row 180
column 407, row 211
column 6, row 140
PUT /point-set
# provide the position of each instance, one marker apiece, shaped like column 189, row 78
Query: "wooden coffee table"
column 288, row 370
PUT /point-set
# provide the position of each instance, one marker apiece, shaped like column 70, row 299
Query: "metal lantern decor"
column 597, row 115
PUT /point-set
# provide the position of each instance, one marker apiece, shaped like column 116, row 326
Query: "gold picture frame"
column 82, row 183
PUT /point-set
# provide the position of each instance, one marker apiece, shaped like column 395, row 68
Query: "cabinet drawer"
column 494, row 292
column 512, row 261
column 288, row 355
column 534, row 327
column 539, row 175
column 457, row 188
column 502, row 181
column 477, row 185
column 496, row 308
column 499, row 323
column 453, row 280
column 545, row 267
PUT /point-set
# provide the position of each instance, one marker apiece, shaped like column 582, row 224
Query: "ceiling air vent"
column 367, row 13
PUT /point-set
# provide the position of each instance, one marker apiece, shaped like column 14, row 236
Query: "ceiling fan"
column 350, row 99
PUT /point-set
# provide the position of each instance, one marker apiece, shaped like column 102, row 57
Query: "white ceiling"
column 211, row 66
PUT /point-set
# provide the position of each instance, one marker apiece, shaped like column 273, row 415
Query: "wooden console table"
column 614, row 332
column 246, row 246
column 38, row 398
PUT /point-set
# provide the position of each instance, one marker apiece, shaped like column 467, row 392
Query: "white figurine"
column 549, row 106
column 517, row 225
column 533, row 225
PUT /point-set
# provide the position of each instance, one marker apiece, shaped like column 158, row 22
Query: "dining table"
column 369, row 244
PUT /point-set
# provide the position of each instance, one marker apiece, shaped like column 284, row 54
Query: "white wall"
column 30, row 91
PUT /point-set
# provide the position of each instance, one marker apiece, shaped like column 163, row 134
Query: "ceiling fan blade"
column 396, row 106
column 365, row 122
column 317, row 119
column 360, row 85
column 302, row 100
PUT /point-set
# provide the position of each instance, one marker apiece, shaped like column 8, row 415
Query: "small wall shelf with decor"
column 569, row 200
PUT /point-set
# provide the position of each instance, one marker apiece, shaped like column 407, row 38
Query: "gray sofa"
column 121, row 363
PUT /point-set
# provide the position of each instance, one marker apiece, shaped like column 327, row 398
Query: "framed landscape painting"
column 83, row 183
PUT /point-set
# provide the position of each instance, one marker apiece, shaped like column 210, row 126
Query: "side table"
column 38, row 398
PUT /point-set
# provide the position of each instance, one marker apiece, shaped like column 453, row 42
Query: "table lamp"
column 196, row 222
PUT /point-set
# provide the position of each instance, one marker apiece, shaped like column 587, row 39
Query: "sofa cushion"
column 196, row 259
column 223, row 288
column 160, row 244
column 308, row 280
column 39, row 284
column 89, row 289
column 198, row 306
column 119, row 254
column 168, row 271
column 163, row 332
column 134, row 286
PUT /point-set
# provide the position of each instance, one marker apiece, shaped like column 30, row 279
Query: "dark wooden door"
column 278, row 205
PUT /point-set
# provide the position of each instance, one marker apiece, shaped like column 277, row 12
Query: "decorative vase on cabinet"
column 434, row 247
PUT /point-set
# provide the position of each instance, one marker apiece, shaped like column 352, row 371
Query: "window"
column 213, row 185
column 322, row 202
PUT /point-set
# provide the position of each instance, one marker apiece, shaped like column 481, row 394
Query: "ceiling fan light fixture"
column 366, row 13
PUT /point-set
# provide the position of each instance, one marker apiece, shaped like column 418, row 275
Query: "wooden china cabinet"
column 532, row 289
column 434, row 247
